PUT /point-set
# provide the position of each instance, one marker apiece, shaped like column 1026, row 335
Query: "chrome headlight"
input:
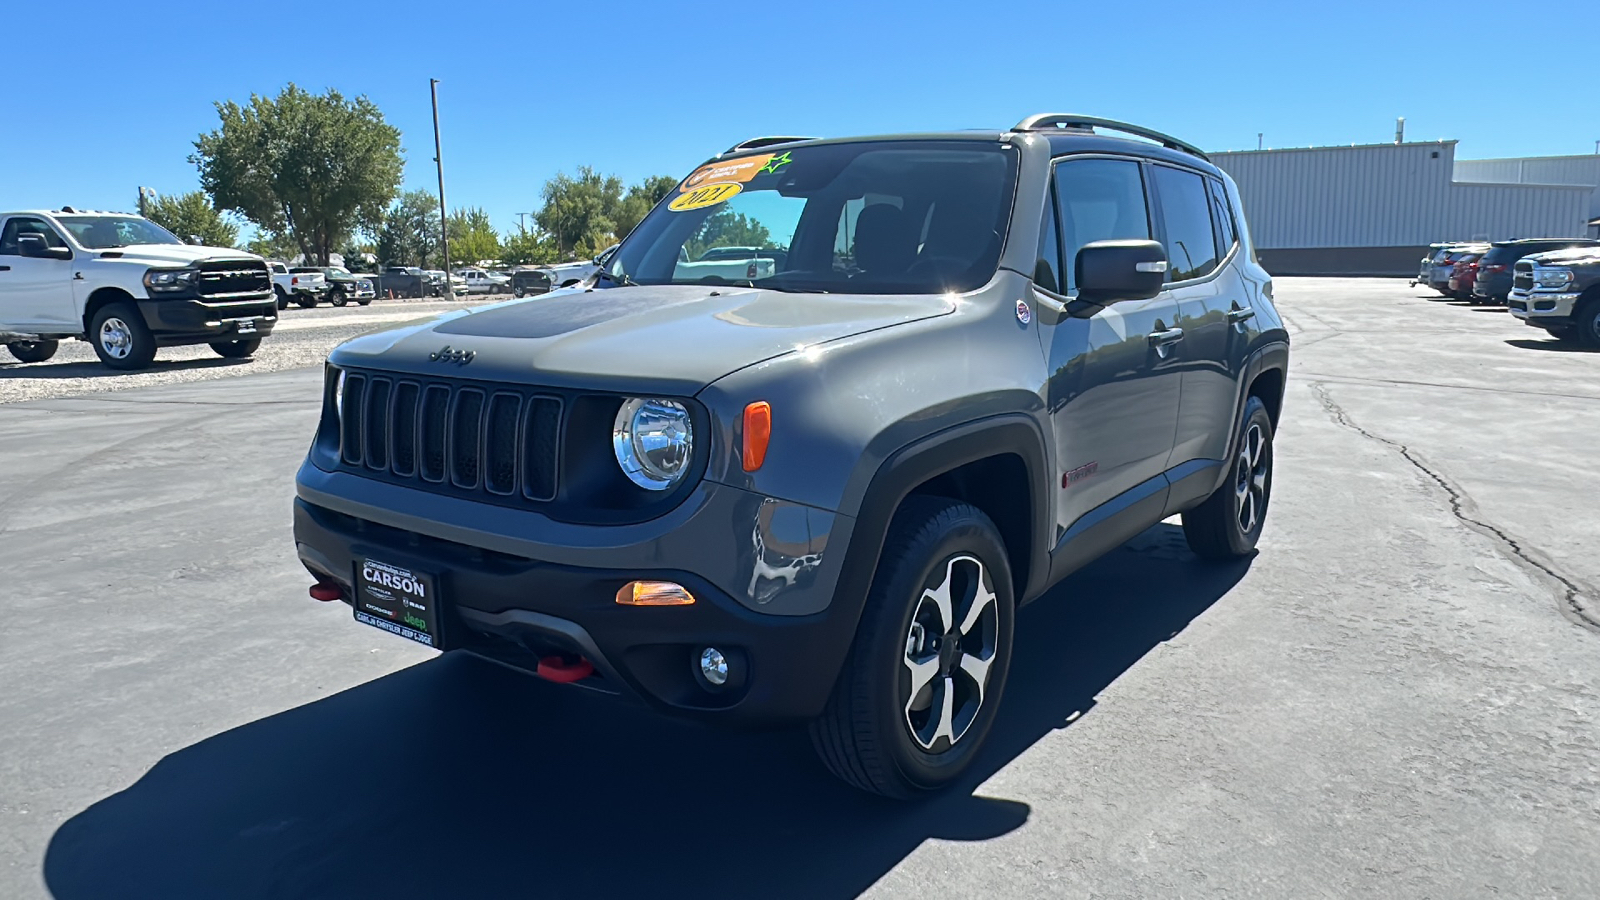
column 1553, row 278
column 170, row 279
column 653, row 440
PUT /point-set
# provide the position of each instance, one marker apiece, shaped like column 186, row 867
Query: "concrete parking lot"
column 1399, row 696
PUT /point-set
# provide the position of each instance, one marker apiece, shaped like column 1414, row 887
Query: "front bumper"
column 1543, row 309
column 174, row 321
column 550, row 588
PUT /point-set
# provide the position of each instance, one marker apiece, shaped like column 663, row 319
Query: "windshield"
column 874, row 217
column 106, row 232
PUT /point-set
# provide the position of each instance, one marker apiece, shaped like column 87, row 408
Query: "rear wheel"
column 283, row 298
column 33, row 351
column 236, row 349
column 120, row 338
column 918, row 694
column 306, row 301
column 1228, row 523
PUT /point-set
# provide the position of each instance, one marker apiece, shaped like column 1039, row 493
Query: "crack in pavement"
column 1572, row 596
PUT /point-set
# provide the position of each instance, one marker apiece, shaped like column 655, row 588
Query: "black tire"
column 337, row 297
column 33, row 351
column 1587, row 317
column 120, row 338
column 1227, row 524
column 366, row 302
column 283, row 298
column 519, row 293
column 306, row 301
column 879, row 732
column 1565, row 335
column 236, row 349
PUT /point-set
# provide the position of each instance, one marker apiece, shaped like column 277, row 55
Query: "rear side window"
column 1099, row 200
column 1186, row 213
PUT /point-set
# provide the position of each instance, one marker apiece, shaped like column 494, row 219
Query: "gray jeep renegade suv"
column 812, row 477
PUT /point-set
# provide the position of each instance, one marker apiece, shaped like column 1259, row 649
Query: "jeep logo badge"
column 447, row 355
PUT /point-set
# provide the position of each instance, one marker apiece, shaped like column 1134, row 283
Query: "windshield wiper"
column 623, row 281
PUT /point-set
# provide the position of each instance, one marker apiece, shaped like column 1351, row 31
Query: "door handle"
column 5, row 268
column 1162, row 338
column 1238, row 314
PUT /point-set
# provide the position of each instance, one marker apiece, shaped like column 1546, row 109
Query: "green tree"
column 192, row 215
column 272, row 246
column 578, row 211
column 529, row 248
column 472, row 238
column 727, row 229
column 310, row 166
column 409, row 233
column 641, row 198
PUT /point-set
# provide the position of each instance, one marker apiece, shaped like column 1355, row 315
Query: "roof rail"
column 1070, row 122
column 757, row 143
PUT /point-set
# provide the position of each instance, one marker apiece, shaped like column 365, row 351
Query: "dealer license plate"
column 247, row 326
column 398, row 600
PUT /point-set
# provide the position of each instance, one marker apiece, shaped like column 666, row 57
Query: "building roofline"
column 1451, row 142
column 1593, row 156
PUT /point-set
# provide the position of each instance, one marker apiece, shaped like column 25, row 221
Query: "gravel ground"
column 303, row 338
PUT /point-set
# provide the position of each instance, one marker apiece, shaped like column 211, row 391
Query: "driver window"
column 21, row 225
column 1098, row 200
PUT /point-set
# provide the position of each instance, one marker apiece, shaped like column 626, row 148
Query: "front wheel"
column 119, row 337
column 1228, row 523
column 33, row 351
column 366, row 302
column 1588, row 321
column 283, row 298
column 918, row 694
column 306, row 301
column 337, row 298
column 236, row 349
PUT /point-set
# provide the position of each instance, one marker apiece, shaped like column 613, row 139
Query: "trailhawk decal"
column 701, row 197
column 1068, row 479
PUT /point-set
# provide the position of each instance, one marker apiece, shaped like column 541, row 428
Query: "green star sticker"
column 775, row 163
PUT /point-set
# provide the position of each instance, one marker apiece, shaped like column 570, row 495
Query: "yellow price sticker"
column 707, row 195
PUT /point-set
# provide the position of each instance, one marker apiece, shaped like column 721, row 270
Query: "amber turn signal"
column 757, row 433
column 654, row 593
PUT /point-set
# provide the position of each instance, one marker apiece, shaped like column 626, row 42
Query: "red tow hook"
column 326, row 591
column 564, row 670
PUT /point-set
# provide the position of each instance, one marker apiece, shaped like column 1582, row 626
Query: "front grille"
column 1522, row 277
column 229, row 279
column 458, row 437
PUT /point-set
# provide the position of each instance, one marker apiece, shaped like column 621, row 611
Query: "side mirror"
column 1112, row 271
column 33, row 247
column 196, row 240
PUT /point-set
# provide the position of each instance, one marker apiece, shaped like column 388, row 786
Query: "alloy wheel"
column 950, row 647
column 1250, row 479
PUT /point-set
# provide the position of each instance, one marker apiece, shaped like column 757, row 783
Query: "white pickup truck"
column 125, row 285
column 478, row 281
column 727, row 263
column 304, row 289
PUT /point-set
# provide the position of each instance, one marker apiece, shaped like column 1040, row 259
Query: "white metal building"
column 1372, row 209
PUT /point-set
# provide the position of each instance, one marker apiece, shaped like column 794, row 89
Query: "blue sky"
column 117, row 92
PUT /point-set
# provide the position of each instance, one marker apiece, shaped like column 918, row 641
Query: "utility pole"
column 144, row 190
column 1260, row 136
column 522, row 217
column 438, row 159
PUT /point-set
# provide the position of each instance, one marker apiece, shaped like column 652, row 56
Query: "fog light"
column 714, row 666
column 654, row 593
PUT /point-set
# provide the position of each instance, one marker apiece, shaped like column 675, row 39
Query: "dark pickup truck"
column 1560, row 292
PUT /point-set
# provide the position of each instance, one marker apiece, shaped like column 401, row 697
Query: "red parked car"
column 1463, row 274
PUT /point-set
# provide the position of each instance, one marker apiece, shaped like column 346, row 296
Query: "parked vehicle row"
column 1482, row 272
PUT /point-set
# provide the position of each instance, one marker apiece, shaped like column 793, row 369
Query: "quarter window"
column 1227, row 236
column 1186, row 213
column 1099, row 200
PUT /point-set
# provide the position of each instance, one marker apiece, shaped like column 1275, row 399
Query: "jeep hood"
column 668, row 339
column 170, row 254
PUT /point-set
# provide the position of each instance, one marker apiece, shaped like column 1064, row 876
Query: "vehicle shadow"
column 457, row 778
column 1553, row 345
column 10, row 369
